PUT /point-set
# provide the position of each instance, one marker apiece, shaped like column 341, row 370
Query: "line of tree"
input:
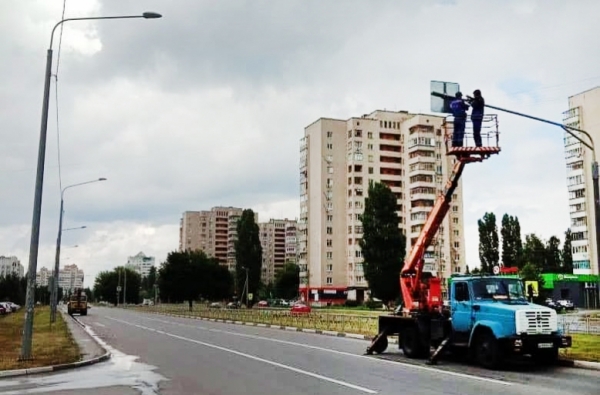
column 14, row 289
column 543, row 256
column 383, row 245
column 105, row 286
column 192, row 275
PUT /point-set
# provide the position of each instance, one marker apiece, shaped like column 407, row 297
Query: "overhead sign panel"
column 442, row 93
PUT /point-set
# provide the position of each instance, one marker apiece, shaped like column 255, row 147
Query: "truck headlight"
column 518, row 343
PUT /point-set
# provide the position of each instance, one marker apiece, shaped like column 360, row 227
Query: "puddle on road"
column 120, row 370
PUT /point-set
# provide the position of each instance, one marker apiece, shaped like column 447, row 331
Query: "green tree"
column 383, row 244
column 512, row 246
column 217, row 283
column 287, row 281
column 105, row 286
column 553, row 262
column 534, row 251
column 248, row 253
column 180, row 276
column 13, row 289
column 488, row 242
column 567, row 254
column 89, row 294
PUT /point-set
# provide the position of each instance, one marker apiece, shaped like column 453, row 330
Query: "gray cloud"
column 206, row 106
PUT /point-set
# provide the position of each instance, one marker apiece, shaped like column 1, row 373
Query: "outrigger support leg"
column 436, row 354
column 379, row 343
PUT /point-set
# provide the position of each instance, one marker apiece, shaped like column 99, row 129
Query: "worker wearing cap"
column 459, row 111
column 477, row 104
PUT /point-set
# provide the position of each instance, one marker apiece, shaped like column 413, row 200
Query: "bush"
column 351, row 303
column 372, row 304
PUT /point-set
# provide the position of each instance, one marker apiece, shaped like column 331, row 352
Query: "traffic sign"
column 496, row 269
column 119, row 288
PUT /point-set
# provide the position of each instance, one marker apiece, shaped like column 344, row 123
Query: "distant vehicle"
column 565, row 304
column 215, row 305
column 7, row 307
column 263, row 303
column 300, row 308
column 148, row 302
column 77, row 303
column 233, row 305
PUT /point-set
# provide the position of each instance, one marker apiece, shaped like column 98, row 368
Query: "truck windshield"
column 499, row 289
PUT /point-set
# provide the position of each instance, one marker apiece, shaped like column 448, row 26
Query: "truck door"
column 461, row 307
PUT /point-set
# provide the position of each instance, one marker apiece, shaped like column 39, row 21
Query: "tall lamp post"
column 54, row 291
column 39, row 183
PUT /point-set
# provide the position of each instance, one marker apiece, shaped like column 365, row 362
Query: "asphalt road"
column 155, row 354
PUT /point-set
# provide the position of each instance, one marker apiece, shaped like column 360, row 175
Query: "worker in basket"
column 477, row 104
column 459, row 111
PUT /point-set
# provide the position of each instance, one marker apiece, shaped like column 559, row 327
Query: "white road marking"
column 409, row 365
column 99, row 324
column 249, row 356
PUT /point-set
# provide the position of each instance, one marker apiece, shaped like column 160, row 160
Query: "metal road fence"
column 338, row 322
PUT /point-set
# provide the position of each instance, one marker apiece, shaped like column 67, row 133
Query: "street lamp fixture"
column 39, row 185
column 54, row 290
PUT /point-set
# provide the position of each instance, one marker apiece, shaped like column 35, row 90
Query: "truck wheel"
column 84, row 312
column 487, row 351
column 411, row 342
column 546, row 357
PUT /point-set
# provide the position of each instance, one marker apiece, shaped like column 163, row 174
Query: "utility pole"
column 124, row 287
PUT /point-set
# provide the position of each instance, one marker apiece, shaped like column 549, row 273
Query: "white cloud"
column 206, row 106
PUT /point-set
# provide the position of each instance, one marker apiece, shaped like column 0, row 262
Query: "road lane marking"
column 99, row 324
column 410, row 365
column 253, row 357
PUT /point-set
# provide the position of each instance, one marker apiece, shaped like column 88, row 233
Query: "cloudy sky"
column 206, row 106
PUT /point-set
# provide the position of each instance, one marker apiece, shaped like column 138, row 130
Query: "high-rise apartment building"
column 213, row 231
column 43, row 276
column 11, row 265
column 338, row 159
column 584, row 114
column 141, row 263
column 70, row 277
column 278, row 241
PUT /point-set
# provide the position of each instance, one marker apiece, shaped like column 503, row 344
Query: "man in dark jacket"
column 459, row 111
column 477, row 103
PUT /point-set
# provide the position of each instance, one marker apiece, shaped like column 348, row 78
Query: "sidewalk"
column 90, row 351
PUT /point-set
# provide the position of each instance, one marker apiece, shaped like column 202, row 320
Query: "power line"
column 56, row 94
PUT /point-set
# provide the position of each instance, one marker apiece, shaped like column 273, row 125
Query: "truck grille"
column 536, row 322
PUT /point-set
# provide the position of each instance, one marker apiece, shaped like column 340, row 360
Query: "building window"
column 455, row 220
column 358, row 133
column 329, row 135
column 370, row 170
column 370, row 147
column 329, row 218
column 329, row 242
column 456, row 233
column 329, row 267
column 370, row 158
column 455, row 208
column 329, row 146
column 329, row 280
column 456, row 244
column 330, row 169
column 329, row 254
column 329, row 230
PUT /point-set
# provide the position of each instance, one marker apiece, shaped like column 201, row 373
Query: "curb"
column 56, row 368
column 391, row 340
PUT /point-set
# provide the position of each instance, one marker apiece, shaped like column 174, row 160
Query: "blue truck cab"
column 490, row 315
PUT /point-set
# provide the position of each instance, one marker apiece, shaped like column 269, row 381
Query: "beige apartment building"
column 212, row 231
column 278, row 241
column 584, row 114
column 338, row 158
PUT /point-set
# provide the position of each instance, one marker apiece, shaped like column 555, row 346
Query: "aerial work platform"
column 490, row 139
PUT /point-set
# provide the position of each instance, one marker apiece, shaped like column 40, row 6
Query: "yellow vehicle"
column 77, row 303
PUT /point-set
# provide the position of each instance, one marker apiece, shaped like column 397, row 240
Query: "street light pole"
column 39, row 184
column 54, row 291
